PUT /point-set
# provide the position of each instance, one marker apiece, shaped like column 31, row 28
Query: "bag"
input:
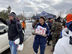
column 17, row 41
column 22, row 37
column 20, row 47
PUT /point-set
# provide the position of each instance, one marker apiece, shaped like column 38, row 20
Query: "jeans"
column 13, row 47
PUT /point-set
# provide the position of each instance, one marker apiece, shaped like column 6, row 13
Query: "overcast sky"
column 30, row 7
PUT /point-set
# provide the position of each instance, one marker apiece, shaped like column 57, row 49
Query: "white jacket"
column 63, row 46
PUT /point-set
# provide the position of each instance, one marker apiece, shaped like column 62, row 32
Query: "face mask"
column 37, row 20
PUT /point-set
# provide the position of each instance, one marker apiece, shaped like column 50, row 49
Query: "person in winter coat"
column 64, row 45
column 56, row 29
column 50, row 36
column 49, row 23
column 64, row 23
column 41, row 40
column 14, row 31
column 35, row 23
column 23, row 25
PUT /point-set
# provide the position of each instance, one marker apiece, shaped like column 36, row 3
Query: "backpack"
column 21, row 37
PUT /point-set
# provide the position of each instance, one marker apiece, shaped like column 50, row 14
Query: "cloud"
column 30, row 7
column 15, row 5
column 63, row 6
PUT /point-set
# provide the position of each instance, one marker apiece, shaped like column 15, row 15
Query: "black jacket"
column 49, row 24
column 14, row 30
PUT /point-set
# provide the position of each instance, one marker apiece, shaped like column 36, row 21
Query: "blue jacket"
column 41, row 39
column 61, row 34
column 69, row 25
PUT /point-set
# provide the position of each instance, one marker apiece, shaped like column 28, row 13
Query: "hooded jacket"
column 14, row 30
column 63, row 45
column 41, row 39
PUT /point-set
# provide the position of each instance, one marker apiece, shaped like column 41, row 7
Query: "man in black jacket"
column 14, row 31
column 50, row 36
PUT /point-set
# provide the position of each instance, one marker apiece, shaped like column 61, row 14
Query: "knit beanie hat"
column 37, row 17
column 12, row 14
column 69, row 18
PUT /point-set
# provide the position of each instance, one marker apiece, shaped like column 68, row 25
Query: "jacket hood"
column 14, row 20
column 69, row 25
column 66, row 32
column 69, row 18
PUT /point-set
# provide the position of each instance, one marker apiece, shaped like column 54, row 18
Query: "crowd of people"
column 59, row 32
column 64, row 45
column 55, row 31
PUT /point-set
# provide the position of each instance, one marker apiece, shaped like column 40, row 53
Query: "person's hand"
column 45, row 35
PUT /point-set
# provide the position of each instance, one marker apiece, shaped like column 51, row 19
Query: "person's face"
column 10, row 18
column 41, row 21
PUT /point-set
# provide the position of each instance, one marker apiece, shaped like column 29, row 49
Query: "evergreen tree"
column 8, row 9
